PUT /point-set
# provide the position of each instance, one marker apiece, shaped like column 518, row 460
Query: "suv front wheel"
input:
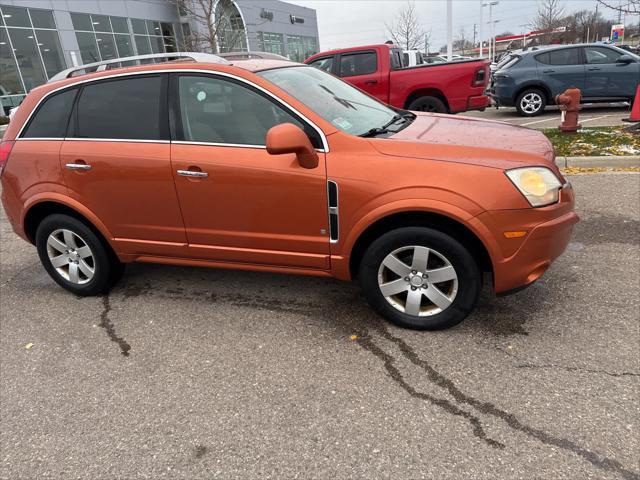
column 73, row 255
column 420, row 278
column 531, row 102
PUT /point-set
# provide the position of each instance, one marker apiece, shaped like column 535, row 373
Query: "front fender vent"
column 332, row 195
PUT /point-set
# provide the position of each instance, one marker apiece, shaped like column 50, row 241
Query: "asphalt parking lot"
column 195, row 373
column 591, row 115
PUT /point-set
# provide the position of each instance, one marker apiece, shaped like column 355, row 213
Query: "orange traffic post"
column 635, row 109
column 569, row 104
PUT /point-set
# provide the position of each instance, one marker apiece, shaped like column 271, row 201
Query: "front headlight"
column 538, row 184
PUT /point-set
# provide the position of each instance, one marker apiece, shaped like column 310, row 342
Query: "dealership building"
column 39, row 38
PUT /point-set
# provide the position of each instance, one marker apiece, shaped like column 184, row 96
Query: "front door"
column 239, row 203
column 605, row 77
column 116, row 161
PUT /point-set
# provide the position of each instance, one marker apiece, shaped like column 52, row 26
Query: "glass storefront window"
column 106, row 46
column 142, row 44
column 26, row 53
column 51, row 51
column 81, row 21
column 154, row 28
column 139, row 26
column 15, row 16
column 42, row 18
column 271, row 42
column 300, row 47
column 88, row 47
column 119, row 24
column 10, row 83
column 100, row 23
column 157, row 44
column 123, row 43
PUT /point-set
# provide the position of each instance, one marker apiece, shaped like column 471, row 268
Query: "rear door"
column 605, row 78
column 116, row 162
column 561, row 69
column 362, row 70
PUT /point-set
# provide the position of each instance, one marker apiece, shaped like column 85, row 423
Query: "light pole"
column 490, row 5
column 524, row 34
column 449, row 30
column 493, row 38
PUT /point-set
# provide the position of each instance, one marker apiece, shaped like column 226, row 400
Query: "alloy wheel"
column 71, row 256
column 531, row 103
column 418, row 281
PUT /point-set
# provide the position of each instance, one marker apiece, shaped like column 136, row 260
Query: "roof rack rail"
column 137, row 59
column 251, row 55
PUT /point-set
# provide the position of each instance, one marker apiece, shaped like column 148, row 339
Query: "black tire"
column 469, row 277
column 535, row 94
column 107, row 270
column 428, row 104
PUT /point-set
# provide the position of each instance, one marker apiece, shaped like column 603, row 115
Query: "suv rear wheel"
column 531, row 102
column 73, row 255
column 420, row 278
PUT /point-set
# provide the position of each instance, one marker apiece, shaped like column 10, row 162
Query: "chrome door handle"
column 78, row 166
column 192, row 173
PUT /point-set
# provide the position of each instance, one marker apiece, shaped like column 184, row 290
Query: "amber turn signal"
column 515, row 234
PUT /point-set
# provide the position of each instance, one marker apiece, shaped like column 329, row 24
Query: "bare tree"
column 462, row 44
column 549, row 15
column 584, row 25
column 216, row 26
column 627, row 6
column 406, row 30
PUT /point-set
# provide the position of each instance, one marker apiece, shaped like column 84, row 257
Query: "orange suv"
column 270, row 165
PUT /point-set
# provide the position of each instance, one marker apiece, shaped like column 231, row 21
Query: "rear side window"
column 568, row 56
column 358, row 64
column 324, row 64
column 52, row 117
column 127, row 109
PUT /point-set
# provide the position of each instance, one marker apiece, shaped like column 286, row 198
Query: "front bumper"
column 520, row 262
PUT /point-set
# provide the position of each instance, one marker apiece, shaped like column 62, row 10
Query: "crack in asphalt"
column 107, row 324
column 394, row 373
column 435, row 377
column 510, row 419
column 576, row 369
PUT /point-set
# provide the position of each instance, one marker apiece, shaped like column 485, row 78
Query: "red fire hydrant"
column 569, row 103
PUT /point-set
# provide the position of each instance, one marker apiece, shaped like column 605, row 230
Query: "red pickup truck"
column 378, row 70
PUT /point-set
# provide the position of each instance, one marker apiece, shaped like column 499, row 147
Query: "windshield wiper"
column 385, row 128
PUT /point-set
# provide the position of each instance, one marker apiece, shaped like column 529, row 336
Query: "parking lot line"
column 594, row 118
column 537, row 121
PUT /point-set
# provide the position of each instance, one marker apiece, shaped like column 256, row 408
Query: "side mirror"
column 624, row 59
column 288, row 138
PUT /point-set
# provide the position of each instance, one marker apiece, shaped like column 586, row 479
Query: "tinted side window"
column 51, row 118
column 122, row 109
column 568, row 56
column 214, row 110
column 358, row 64
column 596, row 55
column 324, row 64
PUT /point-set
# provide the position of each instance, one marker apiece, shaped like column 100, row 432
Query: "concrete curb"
column 603, row 162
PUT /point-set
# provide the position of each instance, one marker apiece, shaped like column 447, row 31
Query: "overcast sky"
column 344, row 23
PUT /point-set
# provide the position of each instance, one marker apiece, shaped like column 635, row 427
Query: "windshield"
column 339, row 103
